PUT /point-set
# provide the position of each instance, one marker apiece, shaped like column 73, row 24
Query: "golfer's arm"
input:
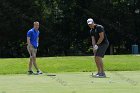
column 101, row 38
column 28, row 41
column 93, row 40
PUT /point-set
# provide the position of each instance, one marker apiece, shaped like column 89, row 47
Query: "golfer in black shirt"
column 100, row 44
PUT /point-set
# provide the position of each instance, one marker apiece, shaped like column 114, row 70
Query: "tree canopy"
column 63, row 27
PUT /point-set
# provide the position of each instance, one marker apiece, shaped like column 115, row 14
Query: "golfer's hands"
column 95, row 48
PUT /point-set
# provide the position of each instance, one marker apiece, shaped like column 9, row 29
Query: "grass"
column 71, row 82
column 72, row 75
column 70, row 64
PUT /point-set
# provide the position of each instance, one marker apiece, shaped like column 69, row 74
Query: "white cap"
column 90, row 21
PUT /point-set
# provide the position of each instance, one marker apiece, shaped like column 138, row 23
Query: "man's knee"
column 97, row 58
column 34, row 56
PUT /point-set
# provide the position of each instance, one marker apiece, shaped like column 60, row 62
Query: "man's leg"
column 30, row 63
column 32, row 53
column 34, row 59
column 31, row 60
column 101, row 67
column 34, row 62
column 99, row 61
column 97, row 64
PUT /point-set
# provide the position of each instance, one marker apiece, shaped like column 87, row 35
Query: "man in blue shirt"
column 33, row 42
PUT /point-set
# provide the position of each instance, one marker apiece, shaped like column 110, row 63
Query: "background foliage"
column 63, row 25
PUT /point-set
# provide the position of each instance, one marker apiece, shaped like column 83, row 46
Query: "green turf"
column 71, row 82
column 70, row 64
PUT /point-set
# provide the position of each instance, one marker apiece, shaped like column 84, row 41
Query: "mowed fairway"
column 71, row 82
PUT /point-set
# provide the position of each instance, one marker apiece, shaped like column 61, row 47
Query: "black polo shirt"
column 95, row 32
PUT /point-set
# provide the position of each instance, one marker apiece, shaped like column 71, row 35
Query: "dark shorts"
column 101, row 50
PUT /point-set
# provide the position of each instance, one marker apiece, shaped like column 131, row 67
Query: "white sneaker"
column 94, row 75
column 101, row 75
column 39, row 72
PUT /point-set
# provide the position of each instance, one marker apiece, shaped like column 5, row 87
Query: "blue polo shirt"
column 33, row 37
